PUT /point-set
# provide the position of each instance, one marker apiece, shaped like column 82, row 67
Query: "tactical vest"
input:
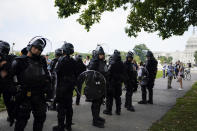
column 102, row 67
column 33, row 74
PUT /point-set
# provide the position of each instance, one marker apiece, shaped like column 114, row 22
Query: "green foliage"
column 195, row 56
column 164, row 59
column 182, row 117
column 2, row 105
column 17, row 53
column 169, row 60
column 51, row 55
column 167, row 17
column 123, row 55
column 139, row 50
column 137, row 58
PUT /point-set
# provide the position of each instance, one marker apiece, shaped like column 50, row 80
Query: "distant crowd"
column 176, row 71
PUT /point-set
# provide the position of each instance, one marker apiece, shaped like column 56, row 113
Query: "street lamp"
column 13, row 48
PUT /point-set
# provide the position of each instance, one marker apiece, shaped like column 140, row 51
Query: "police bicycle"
column 187, row 74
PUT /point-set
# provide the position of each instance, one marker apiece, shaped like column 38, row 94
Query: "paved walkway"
column 140, row 120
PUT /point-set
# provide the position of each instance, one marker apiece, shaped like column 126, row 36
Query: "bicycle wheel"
column 185, row 76
column 188, row 76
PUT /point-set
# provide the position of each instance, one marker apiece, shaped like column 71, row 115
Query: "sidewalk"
column 140, row 120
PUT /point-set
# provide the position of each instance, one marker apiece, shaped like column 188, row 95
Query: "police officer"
column 130, row 82
column 6, row 80
column 58, row 54
column 151, row 66
column 115, row 76
column 67, row 75
column 98, row 63
column 24, row 51
column 81, row 67
column 33, row 78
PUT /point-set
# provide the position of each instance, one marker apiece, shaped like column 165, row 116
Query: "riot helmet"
column 4, row 48
column 130, row 55
column 37, row 42
column 99, row 50
column 58, row 52
column 78, row 58
column 116, row 55
column 24, row 51
column 67, row 48
column 100, row 54
column 116, row 52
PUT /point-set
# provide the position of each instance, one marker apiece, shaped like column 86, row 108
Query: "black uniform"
column 114, row 89
column 130, row 83
column 33, row 77
column 100, row 66
column 58, row 54
column 81, row 67
column 34, row 86
column 7, row 88
column 66, row 76
column 151, row 66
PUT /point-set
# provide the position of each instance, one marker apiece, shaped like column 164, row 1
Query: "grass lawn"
column 159, row 74
column 182, row 117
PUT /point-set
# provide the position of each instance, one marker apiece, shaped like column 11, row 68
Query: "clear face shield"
column 41, row 43
column 107, row 49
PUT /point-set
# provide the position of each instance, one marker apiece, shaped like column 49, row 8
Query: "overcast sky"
column 20, row 20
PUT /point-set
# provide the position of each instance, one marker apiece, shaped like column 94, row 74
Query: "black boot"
column 77, row 103
column 10, row 120
column 107, row 112
column 101, row 119
column 68, row 127
column 98, row 124
column 142, row 102
column 57, row 128
column 131, row 108
column 118, row 112
column 150, row 102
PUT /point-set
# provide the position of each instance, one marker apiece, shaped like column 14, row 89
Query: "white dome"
column 192, row 43
column 192, row 40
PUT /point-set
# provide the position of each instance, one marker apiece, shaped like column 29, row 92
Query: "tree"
column 164, row 59
column 195, row 57
column 167, row 17
column 123, row 55
column 139, row 50
column 169, row 59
